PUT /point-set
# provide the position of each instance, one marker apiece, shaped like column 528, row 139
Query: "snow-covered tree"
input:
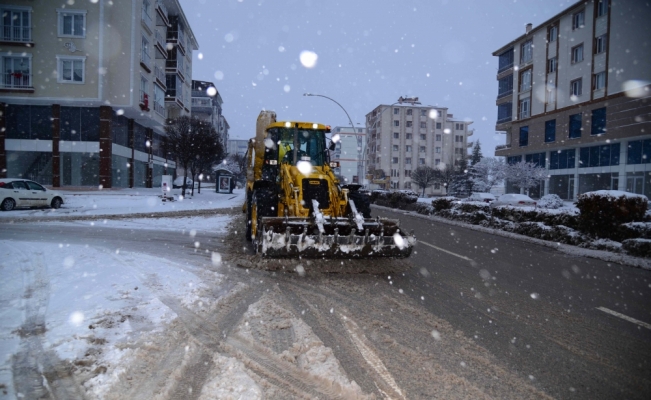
column 461, row 184
column 424, row 177
column 487, row 173
column 525, row 175
column 445, row 175
column 476, row 155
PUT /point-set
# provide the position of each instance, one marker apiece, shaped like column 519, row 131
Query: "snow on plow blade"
column 335, row 238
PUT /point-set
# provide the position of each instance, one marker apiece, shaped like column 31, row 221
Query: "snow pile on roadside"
column 231, row 381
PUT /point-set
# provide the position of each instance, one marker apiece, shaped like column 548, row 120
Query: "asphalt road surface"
column 475, row 315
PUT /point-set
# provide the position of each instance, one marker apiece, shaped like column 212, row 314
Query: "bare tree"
column 525, row 175
column 424, row 177
column 209, row 151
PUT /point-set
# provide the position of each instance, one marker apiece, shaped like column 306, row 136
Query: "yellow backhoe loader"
column 295, row 205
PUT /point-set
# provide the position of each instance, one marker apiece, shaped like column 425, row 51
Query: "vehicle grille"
column 319, row 192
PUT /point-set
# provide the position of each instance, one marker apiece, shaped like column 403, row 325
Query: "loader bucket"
column 333, row 238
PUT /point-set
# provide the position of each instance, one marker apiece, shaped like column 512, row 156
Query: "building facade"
column 349, row 153
column 573, row 96
column 237, row 146
column 207, row 105
column 86, row 89
column 401, row 138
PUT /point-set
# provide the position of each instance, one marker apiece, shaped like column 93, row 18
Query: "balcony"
column 162, row 16
column 174, row 93
column 147, row 22
column 160, row 110
column 504, row 94
column 502, row 147
column 504, row 119
column 177, row 37
column 202, row 104
column 16, row 80
column 161, row 45
column 145, row 60
column 159, row 73
column 175, row 66
column 17, row 34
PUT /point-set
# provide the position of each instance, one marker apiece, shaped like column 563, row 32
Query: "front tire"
column 56, row 203
column 8, row 205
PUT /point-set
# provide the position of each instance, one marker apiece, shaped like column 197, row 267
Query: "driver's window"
column 286, row 148
column 20, row 185
column 34, row 186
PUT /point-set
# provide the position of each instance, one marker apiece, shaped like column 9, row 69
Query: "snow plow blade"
column 332, row 238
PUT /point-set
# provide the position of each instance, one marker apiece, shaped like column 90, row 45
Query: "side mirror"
column 332, row 146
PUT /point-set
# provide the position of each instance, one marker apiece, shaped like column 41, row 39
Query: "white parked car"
column 178, row 183
column 483, row 197
column 514, row 200
column 20, row 193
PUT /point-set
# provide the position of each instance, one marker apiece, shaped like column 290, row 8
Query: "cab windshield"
column 301, row 145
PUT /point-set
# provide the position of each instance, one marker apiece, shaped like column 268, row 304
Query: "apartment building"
column 403, row 137
column 573, row 96
column 87, row 87
column 207, row 105
column 349, row 153
column 237, row 146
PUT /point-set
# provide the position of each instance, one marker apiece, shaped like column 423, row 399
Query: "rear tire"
column 362, row 203
column 8, row 205
column 56, row 203
column 263, row 204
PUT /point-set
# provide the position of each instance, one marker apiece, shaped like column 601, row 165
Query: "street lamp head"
column 307, row 94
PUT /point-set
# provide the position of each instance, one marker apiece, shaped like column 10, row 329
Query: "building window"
column 562, row 159
column 526, row 52
column 396, row 122
column 537, row 158
column 408, row 173
column 577, row 53
column 72, row 23
column 421, row 149
column 525, row 105
column 552, row 65
column 409, row 124
column 458, row 138
column 423, row 136
column 600, row 44
column 505, row 60
column 394, row 160
column 408, row 149
column 438, row 125
column 525, row 80
column 16, row 24
column 144, row 52
column 421, row 161
column 396, row 135
column 408, row 136
column 396, row 147
column 438, row 137
column 599, row 80
column 553, row 33
column 71, row 69
column 505, row 86
column 550, row 131
column 423, row 113
column 408, row 160
column 599, row 156
column 639, row 152
column 575, row 87
column 396, row 111
column 504, row 112
column 578, row 20
column 513, row 160
column 575, row 126
column 459, row 127
column 551, row 95
column 602, row 7
column 144, row 87
column 159, row 101
column 437, row 161
column 524, row 136
column 410, row 111
column 437, row 150
column 16, row 72
column 423, row 125
column 598, row 121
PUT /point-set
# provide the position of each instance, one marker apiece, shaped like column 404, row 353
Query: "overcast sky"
column 368, row 53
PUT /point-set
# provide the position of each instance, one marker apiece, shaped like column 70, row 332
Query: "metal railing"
column 199, row 102
column 505, row 119
column 161, row 6
column 502, row 147
column 505, row 67
column 146, row 18
column 160, row 109
column 504, row 94
column 145, row 58
column 16, row 80
column 159, row 39
column 159, row 73
column 17, row 33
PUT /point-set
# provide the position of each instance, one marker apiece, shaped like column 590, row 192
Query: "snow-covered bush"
column 393, row 199
column 602, row 244
column 637, row 247
column 603, row 211
column 474, row 206
column 442, row 203
column 420, row 208
column 552, row 201
column 636, row 230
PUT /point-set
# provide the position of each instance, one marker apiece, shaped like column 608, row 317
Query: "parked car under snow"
column 514, row 200
column 483, row 197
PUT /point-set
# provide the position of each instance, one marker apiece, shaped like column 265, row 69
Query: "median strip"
column 624, row 317
column 445, row 251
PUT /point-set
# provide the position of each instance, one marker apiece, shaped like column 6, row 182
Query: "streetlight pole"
column 335, row 101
